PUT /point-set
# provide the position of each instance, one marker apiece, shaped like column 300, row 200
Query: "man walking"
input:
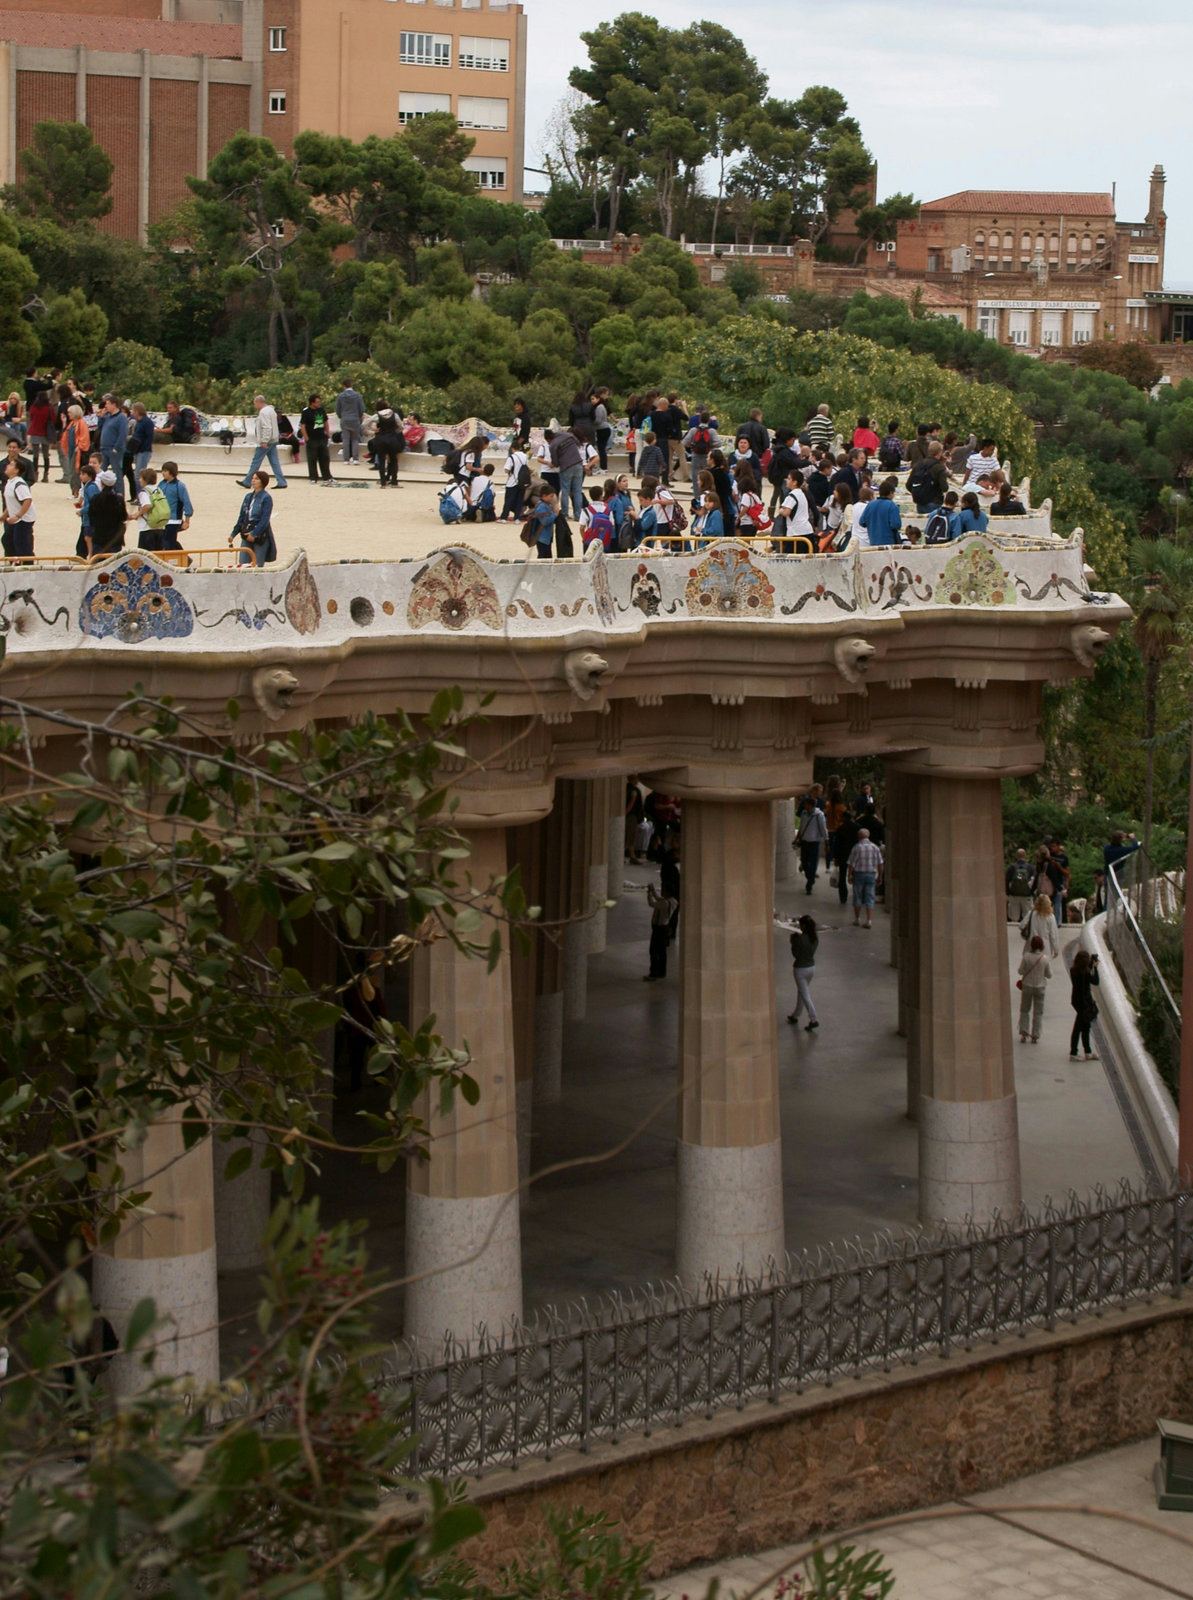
column 113, row 435
column 810, row 838
column 1020, row 887
column 865, row 864
column 350, row 408
column 267, row 444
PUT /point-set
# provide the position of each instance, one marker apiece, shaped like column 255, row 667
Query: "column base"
column 458, row 1300
column 969, row 1159
column 183, row 1288
column 242, row 1207
column 548, row 1048
column 575, row 969
column 598, row 923
column 730, row 1211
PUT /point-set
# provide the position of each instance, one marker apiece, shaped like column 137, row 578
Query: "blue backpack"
column 485, row 503
column 450, row 509
column 600, row 527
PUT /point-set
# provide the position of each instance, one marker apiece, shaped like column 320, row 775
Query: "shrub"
column 135, row 372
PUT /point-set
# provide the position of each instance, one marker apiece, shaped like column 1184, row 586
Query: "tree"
column 66, row 177
column 804, row 163
column 132, row 370
column 71, row 332
column 381, row 189
column 879, row 224
column 18, row 282
column 437, row 144
column 446, row 340
column 1163, row 572
column 257, row 216
column 144, row 967
column 629, row 61
column 1135, row 362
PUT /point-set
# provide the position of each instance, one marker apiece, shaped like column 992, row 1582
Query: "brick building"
column 163, row 84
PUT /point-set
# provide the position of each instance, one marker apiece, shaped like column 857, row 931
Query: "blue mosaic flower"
column 133, row 602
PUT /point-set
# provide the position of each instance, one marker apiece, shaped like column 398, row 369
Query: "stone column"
column 784, row 824
column 463, row 1245
column 524, row 846
column 969, row 1131
column 598, row 868
column 616, row 836
column 165, row 1254
column 551, row 861
column 730, row 1165
column 242, row 1206
column 574, row 802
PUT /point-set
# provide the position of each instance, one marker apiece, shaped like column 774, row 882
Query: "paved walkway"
column 849, row 1152
column 1022, row 1554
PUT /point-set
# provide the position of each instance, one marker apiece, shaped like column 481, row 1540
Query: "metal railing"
column 1140, row 901
column 639, row 1364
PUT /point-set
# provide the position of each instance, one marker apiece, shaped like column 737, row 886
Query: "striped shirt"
column 821, row 430
column 866, row 856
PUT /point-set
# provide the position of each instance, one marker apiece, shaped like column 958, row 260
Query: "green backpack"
column 157, row 513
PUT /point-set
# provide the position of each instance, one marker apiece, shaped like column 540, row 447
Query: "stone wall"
column 829, row 1459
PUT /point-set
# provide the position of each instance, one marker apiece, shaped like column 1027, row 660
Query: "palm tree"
column 1163, row 572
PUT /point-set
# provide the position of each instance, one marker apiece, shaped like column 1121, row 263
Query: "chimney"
column 1155, row 199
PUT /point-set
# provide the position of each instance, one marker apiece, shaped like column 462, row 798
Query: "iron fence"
column 654, row 1361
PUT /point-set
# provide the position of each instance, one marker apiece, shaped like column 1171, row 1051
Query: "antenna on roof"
column 1114, row 195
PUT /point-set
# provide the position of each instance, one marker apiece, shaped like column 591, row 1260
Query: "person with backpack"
column 481, row 499
column 618, row 503
column 1020, row 884
column 944, row 524
column 179, row 502
column 810, row 836
column 794, row 534
column 671, row 515
column 154, row 511
column 782, row 459
column 752, row 517
column 387, row 444
column 838, row 521
column 542, row 520
column 596, row 521
column 643, row 519
column 453, row 502
column 517, row 481
column 890, row 451
column 709, row 524
column 700, row 439
column 928, row 480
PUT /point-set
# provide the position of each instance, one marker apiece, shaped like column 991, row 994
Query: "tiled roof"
column 46, row 29
column 929, row 294
column 1022, row 202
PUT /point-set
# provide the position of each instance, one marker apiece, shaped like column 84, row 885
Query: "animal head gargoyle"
column 1087, row 642
column 272, row 689
column 585, row 672
column 853, row 658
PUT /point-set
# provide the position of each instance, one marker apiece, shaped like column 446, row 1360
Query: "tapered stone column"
column 784, row 824
column 525, row 852
column 574, row 804
column 166, row 1253
column 903, row 858
column 463, row 1246
column 598, row 869
column 552, row 852
column 968, row 1122
column 615, row 871
column 730, row 1167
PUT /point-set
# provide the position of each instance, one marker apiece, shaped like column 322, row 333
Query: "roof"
column 57, row 31
column 1022, row 202
column 928, row 294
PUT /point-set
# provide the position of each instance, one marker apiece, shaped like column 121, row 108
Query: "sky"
column 957, row 94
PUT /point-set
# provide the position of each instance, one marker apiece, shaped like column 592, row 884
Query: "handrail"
column 1122, row 900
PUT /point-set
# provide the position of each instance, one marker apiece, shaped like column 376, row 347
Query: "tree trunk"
column 273, row 335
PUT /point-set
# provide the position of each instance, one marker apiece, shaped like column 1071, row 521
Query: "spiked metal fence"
column 655, row 1360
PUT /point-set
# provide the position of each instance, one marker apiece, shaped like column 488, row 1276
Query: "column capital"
column 1017, row 760
column 730, row 785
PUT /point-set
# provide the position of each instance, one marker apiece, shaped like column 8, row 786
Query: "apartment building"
column 163, row 84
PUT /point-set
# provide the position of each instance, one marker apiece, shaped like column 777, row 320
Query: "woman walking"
column 1040, row 920
column 804, row 941
column 1084, row 979
column 1034, row 972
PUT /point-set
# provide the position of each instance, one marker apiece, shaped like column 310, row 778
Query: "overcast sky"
column 1026, row 94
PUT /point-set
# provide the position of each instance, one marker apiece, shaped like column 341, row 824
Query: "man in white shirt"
column 267, row 445
column 983, row 462
column 19, row 512
column 794, row 520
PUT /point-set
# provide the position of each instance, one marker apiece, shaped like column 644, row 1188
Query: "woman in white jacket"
column 1040, row 920
column 1034, row 972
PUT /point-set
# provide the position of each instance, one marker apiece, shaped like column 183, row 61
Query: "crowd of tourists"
column 847, row 837
column 803, row 490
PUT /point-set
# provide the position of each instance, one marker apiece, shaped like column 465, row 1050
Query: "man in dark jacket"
column 755, row 432
column 783, row 458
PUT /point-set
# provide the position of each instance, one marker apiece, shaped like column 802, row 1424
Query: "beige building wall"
column 346, row 74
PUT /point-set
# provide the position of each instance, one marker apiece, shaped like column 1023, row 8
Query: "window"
column 1052, row 327
column 485, row 55
column 277, row 103
column 1025, row 244
column 426, row 50
column 412, row 106
column 473, row 111
column 277, row 40
column 470, row 5
column 1008, row 243
column 988, row 323
column 1019, row 327
column 490, row 170
column 1083, row 327
column 1053, row 246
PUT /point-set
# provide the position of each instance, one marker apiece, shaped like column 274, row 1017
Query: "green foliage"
column 65, row 176
column 133, row 371
column 847, row 1574
column 581, row 1555
column 288, row 388
column 1135, row 362
column 1159, row 1033
column 444, row 341
column 18, row 280
column 745, row 281
column 879, row 224
column 71, row 332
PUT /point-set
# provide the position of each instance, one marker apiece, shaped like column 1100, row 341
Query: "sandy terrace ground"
column 354, row 520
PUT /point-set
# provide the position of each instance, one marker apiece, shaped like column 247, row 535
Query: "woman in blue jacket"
column 710, row 523
column 973, row 518
column 253, row 526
